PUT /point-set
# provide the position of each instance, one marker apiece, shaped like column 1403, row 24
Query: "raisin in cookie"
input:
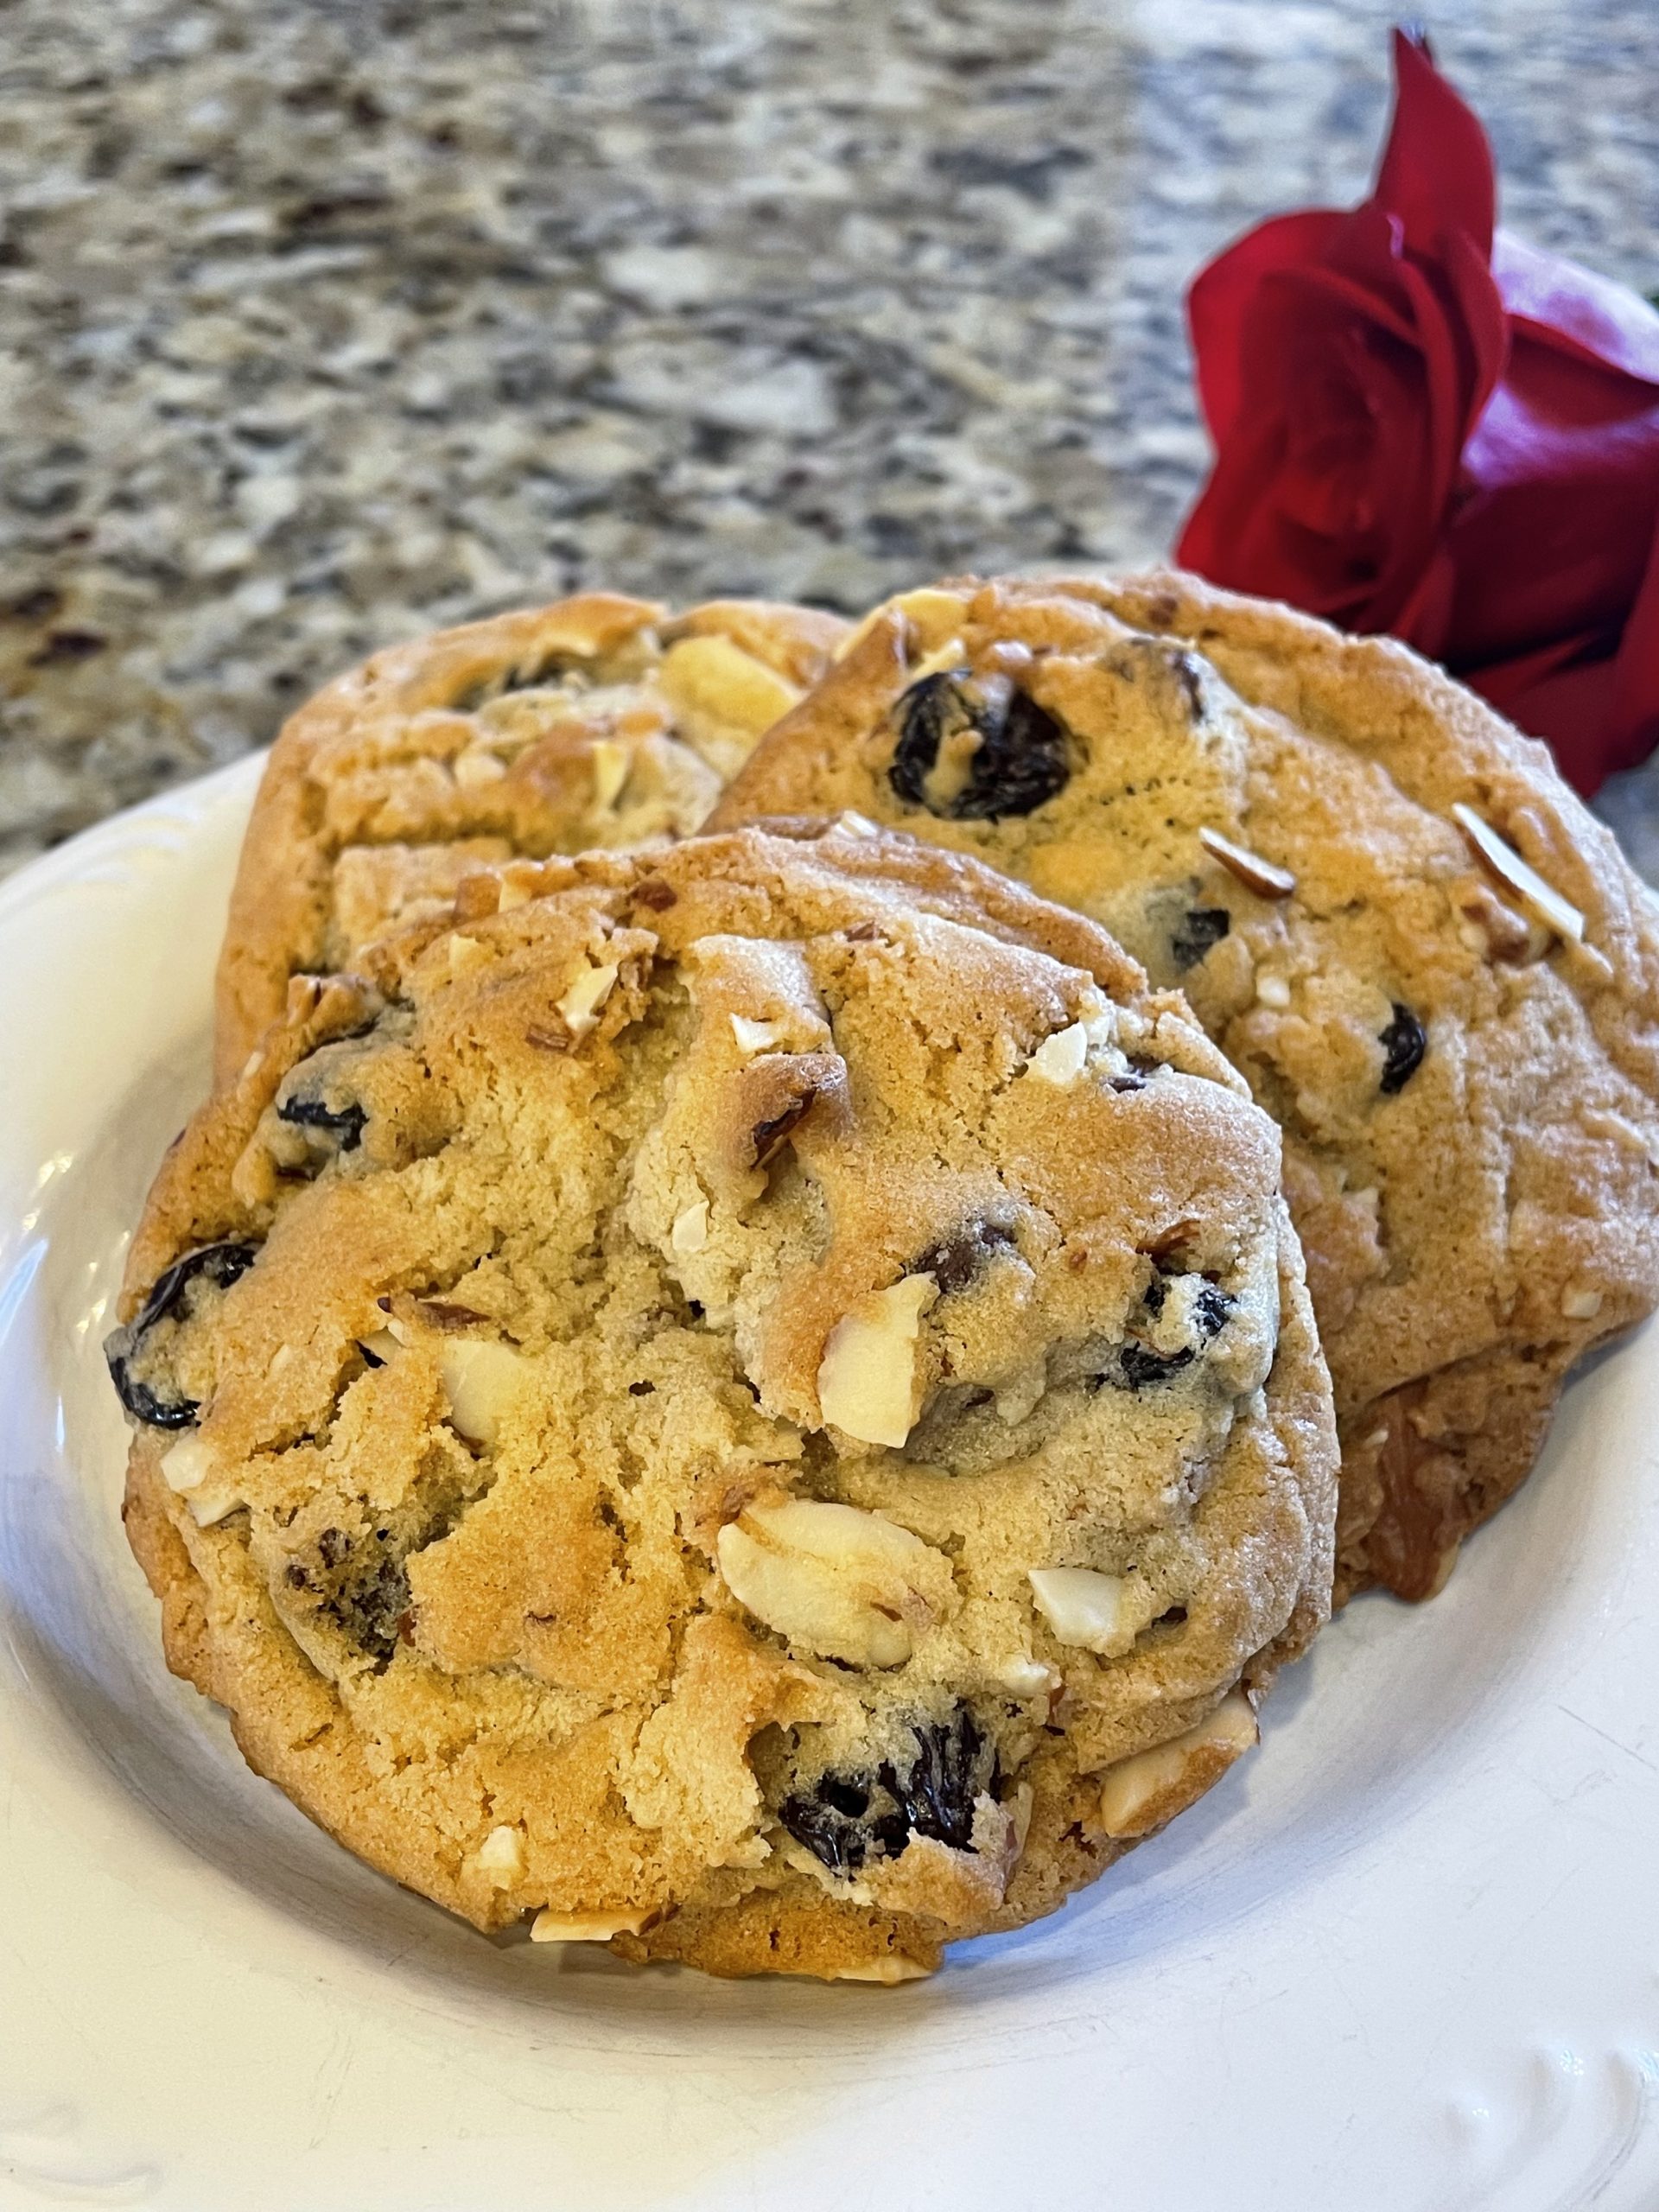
column 1434, row 969
column 597, row 721
column 755, row 1401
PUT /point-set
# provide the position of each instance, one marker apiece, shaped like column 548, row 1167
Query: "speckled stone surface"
column 323, row 324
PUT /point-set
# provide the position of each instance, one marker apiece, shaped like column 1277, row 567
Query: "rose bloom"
column 1425, row 427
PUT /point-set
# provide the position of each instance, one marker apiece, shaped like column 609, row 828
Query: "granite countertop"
column 322, row 325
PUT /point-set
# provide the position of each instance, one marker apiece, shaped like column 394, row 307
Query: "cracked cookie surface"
column 1433, row 967
column 754, row 1400
column 599, row 720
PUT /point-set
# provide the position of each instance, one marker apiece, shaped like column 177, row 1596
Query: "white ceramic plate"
column 1404, row 1959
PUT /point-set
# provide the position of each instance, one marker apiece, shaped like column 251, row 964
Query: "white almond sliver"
column 888, row 1972
column 754, row 1037
column 188, row 1465
column 501, row 1856
column 834, row 1579
column 611, row 765
column 929, row 612
column 1138, row 1792
column 1059, row 1059
column 214, row 1502
column 1265, row 878
column 465, row 953
column 690, row 1230
column 867, row 1380
column 580, row 1003
column 481, row 1376
column 550, row 1927
column 942, row 661
column 1547, row 903
column 713, row 678
column 1081, row 1605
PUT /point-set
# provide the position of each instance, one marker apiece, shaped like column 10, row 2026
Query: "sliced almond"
column 1059, row 1059
column 611, row 764
column 834, row 1580
column 1537, row 896
column 581, row 1004
column 889, row 1972
column 1267, row 879
column 754, row 1037
column 501, row 1858
column 214, row 1502
column 466, row 955
column 855, row 825
column 931, row 614
column 1141, row 1793
column 191, row 1469
column 690, row 1230
column 867, row 1380
column 551, row 1927
column 188, row 1465
column 1023, row 1677
column 482, row 1377
column 1580, row 1304
column 942, row 661
column 711, row 680
column 1093, row 1611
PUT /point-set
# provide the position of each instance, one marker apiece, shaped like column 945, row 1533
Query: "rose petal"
column 1563, row 694
column 1635, row 702
column 1552, row 535
column 1219, row 296
column 1575, row 309
column 1436, row 172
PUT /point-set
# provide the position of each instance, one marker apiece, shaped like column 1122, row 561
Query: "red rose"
column 1423, row 429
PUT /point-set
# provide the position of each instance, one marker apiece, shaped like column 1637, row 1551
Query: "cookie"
column 1433, row 967
column 755, row 1402
column 600, row 720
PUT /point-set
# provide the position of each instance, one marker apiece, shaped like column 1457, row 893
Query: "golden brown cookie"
column 1433, row 967
column 600, row 721
column 754, row 1400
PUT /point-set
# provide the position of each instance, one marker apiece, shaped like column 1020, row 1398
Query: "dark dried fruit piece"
column 847, row 1819
column 1199, row 929
column 318, row 1099
column 1020, row 759
column 216, row 1264
column 769, row 1137
column 1139, row 1364
column 956, row 1262
column 346, row 1122
column 775, row 1093
column 1404, row 1042
column 953, row 1765
column 836, row 1822
column 1211, row 1311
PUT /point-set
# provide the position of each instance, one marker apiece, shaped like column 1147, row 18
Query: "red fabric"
column 1426, row 426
